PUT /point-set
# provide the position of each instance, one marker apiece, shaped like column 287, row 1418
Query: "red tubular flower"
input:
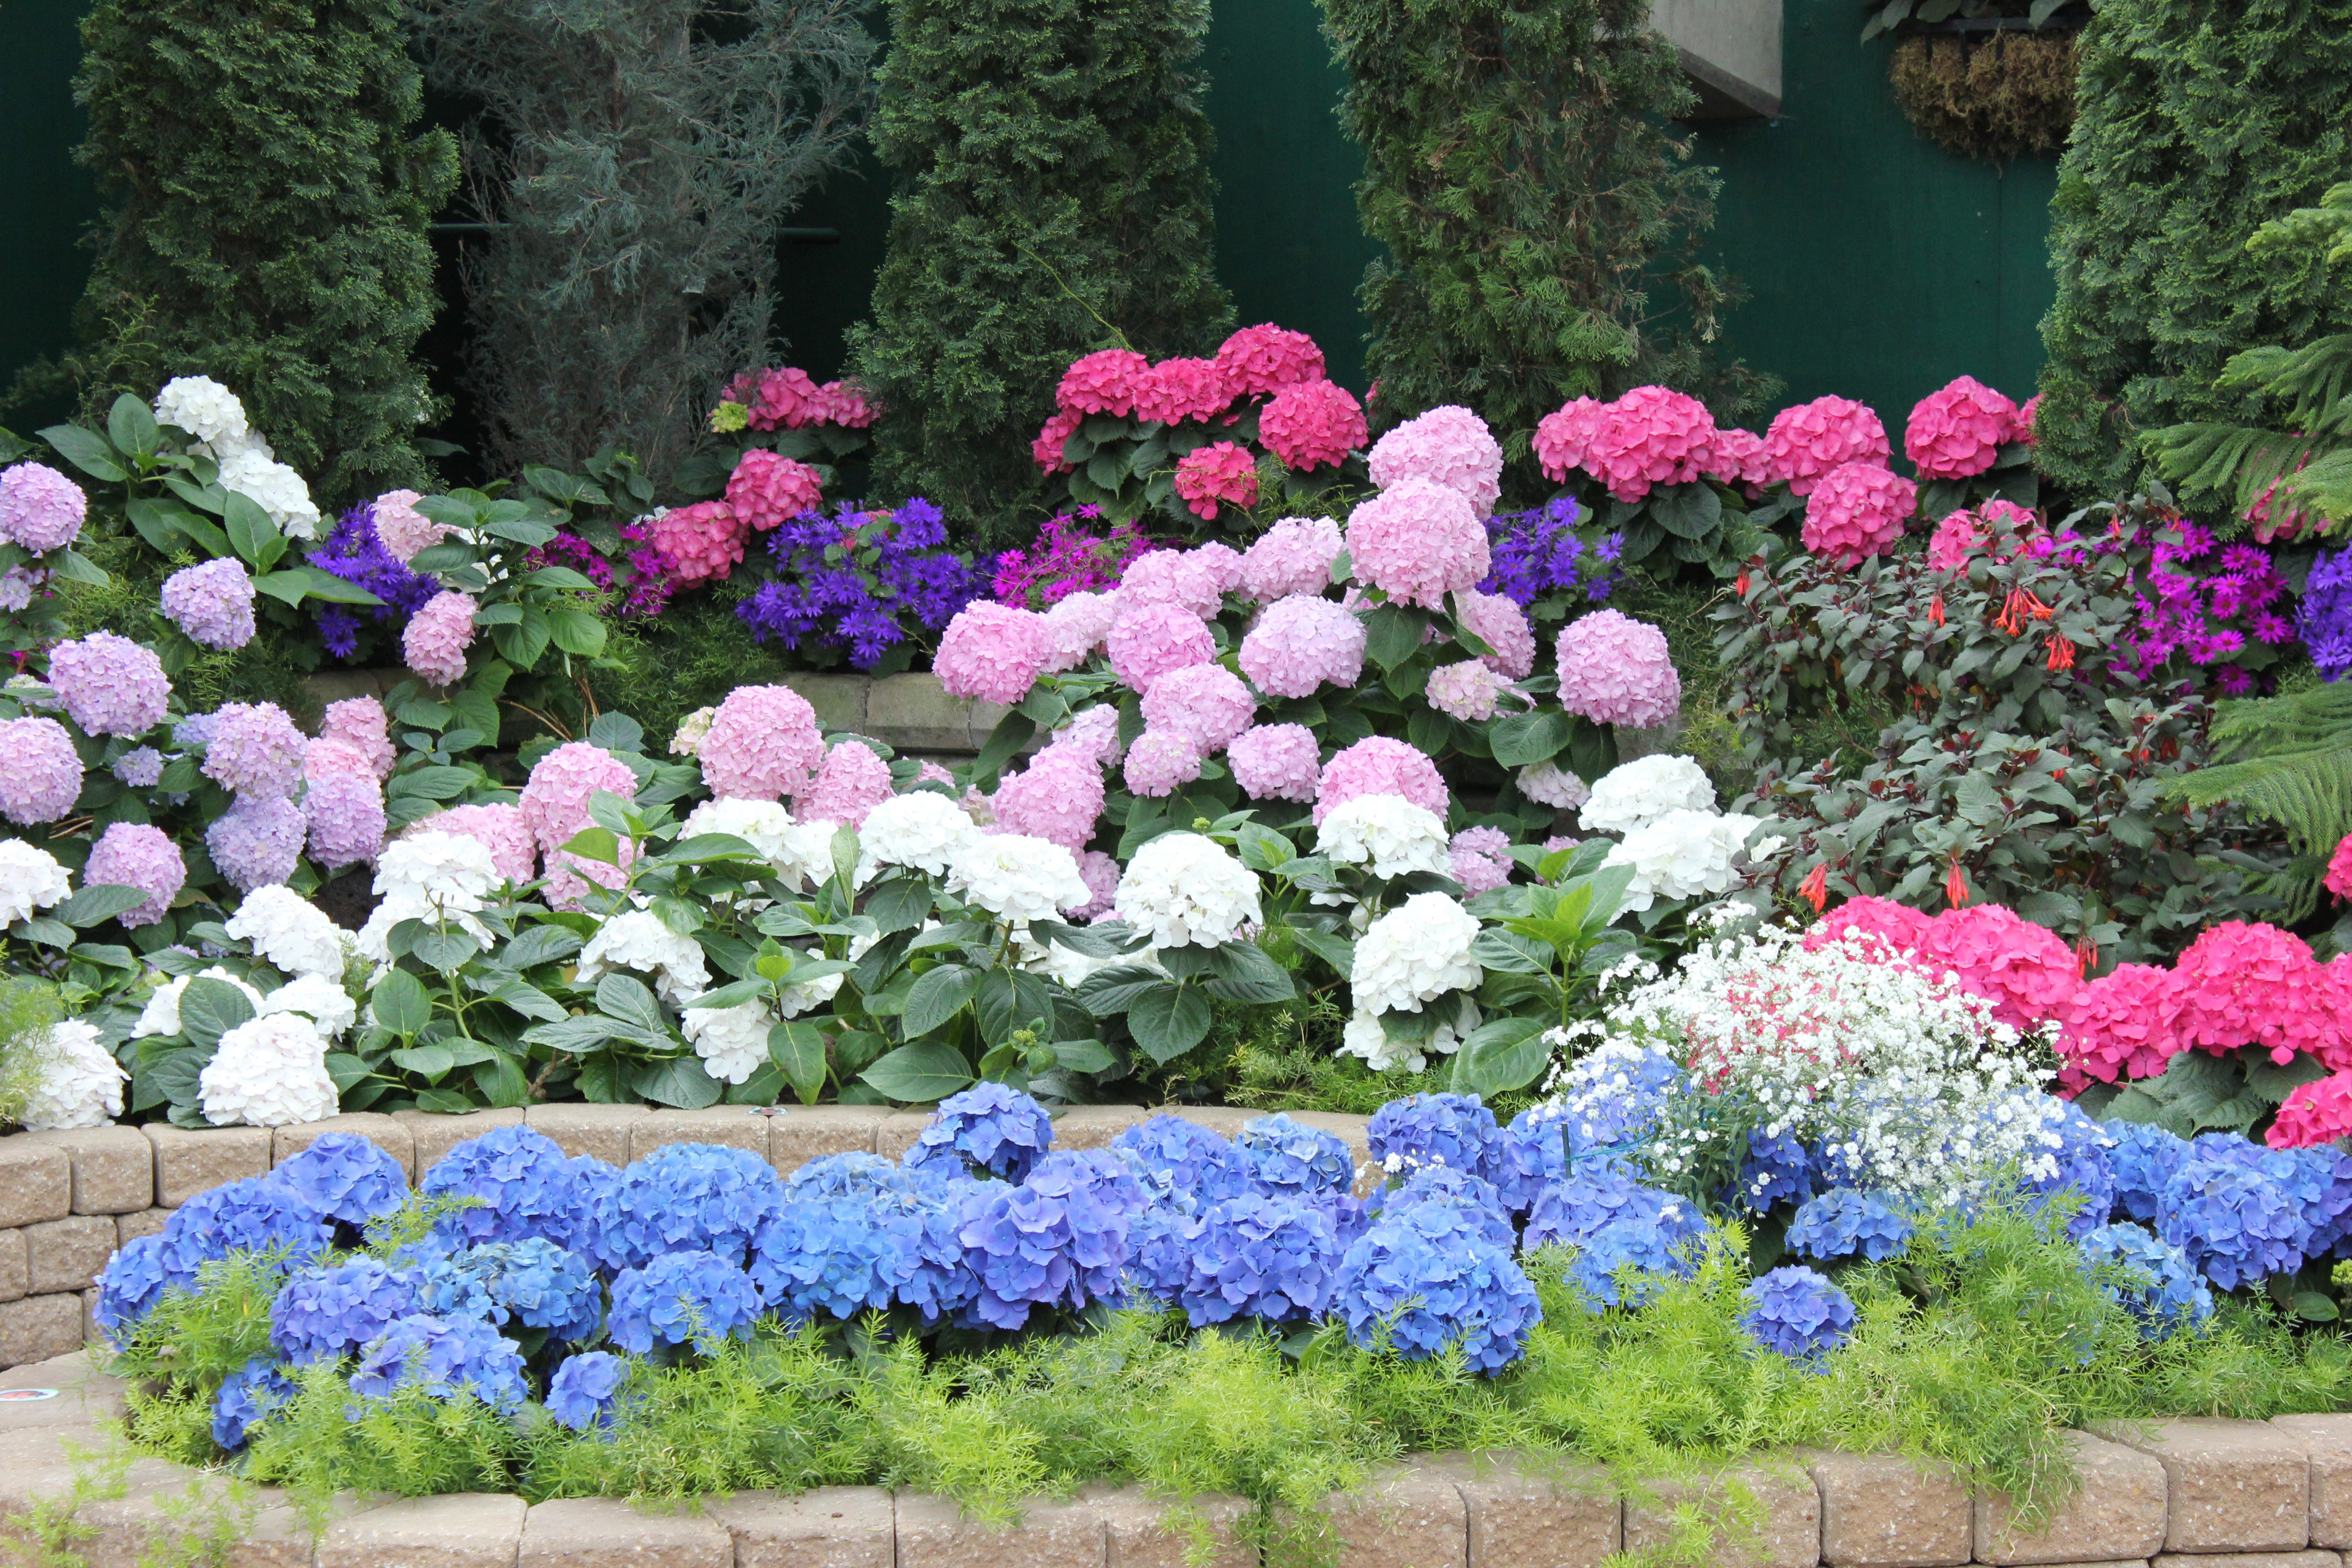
column 1815, row 888
column 2061, row 653
column 1956, row 885
column 1935, row 609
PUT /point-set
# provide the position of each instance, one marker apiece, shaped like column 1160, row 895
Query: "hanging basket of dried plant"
column 1995, row 95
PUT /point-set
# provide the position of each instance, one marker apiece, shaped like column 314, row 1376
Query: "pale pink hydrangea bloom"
column 1157, row 765
column 326, row 756
column 1312, row 425
column 40, row 772
column 1481, row 859
column 1171, row 577
column 255, row 750
column 109, row 684
column 1092, row 734
column 1651, row 435
column 931, row 773
column 992, row 651
column 404, row 530
column 1956, row 431
column 1276, row 762
column 763, row 744
column 345, row 812
column 554, row 800
column 701, row 542
column 1076, row 625
column 1057, row 797
column 767, row 490
column 1857, row 511
column 1266, row 357
column 1150, row 640
column 1204, row 704
column 1220, row 561
column 134, row 855
column 1293, row 556
column 1449, row 445
column 853, row 781
column 501, row 829
column 434, row 643
column 257, row 841
column 1379, row 765
column 1563, row 435
column 1179, row 391
column 1810, row 439
column 1417, row 541
column 1104, row 382
column 1302, row 642
column 40, row 508
column 1497, row 620
column 362, row 722
column 1549, row 784
column 1101, row 874
column 1466, row 690
column 212, row 602
column 1614, row 670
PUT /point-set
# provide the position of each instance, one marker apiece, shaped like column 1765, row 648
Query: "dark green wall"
column 50, row 201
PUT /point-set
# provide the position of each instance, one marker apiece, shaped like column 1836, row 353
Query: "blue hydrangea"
column 1778, row 1170
column 1473, row 1195
column 445, row 1357
column 2080, row 1147
column 2318, row 1182
column 1624, row 1262
column 857, row 1174
column 2143, row 1158
column 1798, row 1313
column 1289, row 1159
column 943, row 1282
column 2163, row 1291
column 2234, row 1223
column 1058, row 1239
column 681, row 1298
column 527, row 1184
column 346, row 1178
column 1531, row 1153
column 1848, row 1222
column 836, row 1256
column 532, row 1282
column 324, row 1314
column 1570, row 1212
column 1159, row 1254
column 580, row 1395
column 248, row 1396
column 1455, row 1131
column 1421, row 1283
column 1258, row 1255
column 1195, row 1161
column 134, row 1280
column 987, row 1129
column 258, row 1214
column 1615, row 1094
column 683, row 1197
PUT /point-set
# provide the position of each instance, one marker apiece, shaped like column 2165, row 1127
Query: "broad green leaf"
column 733, row 995
column 1336, row 951
column 1011, row 999
column 72, row 566
column 250, row 531
column 560, row 577
column 1084, row 1056
column 131, row 426
column 597, row 844
column 936, row 996
column 1520, row 740
column 1241, row 971
column 431, row 1063
column 1168, row 1020
column 1012, row 731
column 681, row 1081
column 797, row 1048
column 578, row 1035
column 1392, row 634
column 209, row 1008
column 1114, row 990
column 87, row 450
column 899, row 903
column 919, row 1074
column 500, row 1082
column 625, row 998
column 577, row 632
column 443, row 950
column 1502, row 1055
column 539, row 944
column 433, row 782
column 401, row 1004
column 616, row 732
column 99, row 902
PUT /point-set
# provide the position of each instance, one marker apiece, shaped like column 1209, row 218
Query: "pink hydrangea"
column 1956, row 539
column 2257, row 986
column 40, row 508
column 134, row 855
column 1651, row 435
column 931, row 773
column 1379, row 765
column 1176, row 391
column 2023, row 429
column 843, row 403
column 1074, row 627
column 853, row 781
column 701, row 541
column 2338, row 880
column 2024, row 970
column 1266, row 357
column 2119, row 1028
column 1417, row 541
column 1737, row 457
column 345, row 812
column 1899, row 926
column 40, row 772
column 1614, row 670
column 1563, row 435
column 1101, row 874
column 569, row 878
column 780, row 399
column 1171, row 577
column 1205, row 704
column 255, row 750
column 767, row 490
column 1466, row 690
column 503, row 830
column 1222, row 562
column 434, row 643
column 1497, row 620
column 212, row 602
column 1857, row 511
column 1313, row 424
column 1302, row 642
column 1104, row 382
column 1293, row 556
column 994, row 652
column 1810, row 439
column 110, row 685
column 1481, row 859
column 1092, row 734
column 1150, row 640
column 1450, row 445
column 1276, row 762
column 1221, row 473
column 763, row 744
column 2313, row 1113
column 1156, row 765
column 1048, row 448
column 257, row 841
column 1057, row 797
column 1958, row 430
column 360, row 722
column 404, row 530
column 326, row 756
column 554, row 800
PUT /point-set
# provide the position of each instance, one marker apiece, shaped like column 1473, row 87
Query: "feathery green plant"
column 2287, row 760
column 28, row 1009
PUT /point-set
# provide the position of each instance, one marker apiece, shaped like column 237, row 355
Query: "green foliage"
column 408, row 1442
column 2286, row 760
column 1052, row 197
column 28, row 1007
column 2195, row 124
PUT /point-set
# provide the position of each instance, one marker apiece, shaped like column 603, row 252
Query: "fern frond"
column 2258, row 727
column 2293, row 766
column 2324, row 491
column 2207, row 456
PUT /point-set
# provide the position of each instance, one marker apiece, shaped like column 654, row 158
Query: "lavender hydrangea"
column 325, row 1314
column 2142, row 1157
column 2324, row 620
column 1258, row 1257
column 681, row 1197
column 1455, row 1131
column 1291, row 1160
column 1420, row 1281
column 248, row 1397
column 986, row 1129
column 141, row 767
column 861, row 580
column 2151, row 1279
column 527, row 1187
column 257, row 841
column 1474, row 1197
column 1797, row 1313
column 581, row 1393
column 532, row 1282
column 1593, row 1198
column 1194, row 1160
column 356, row 553
column 212, row 602
column 1531, row 1153
column 1057, row 1240
column 446, row 1357
column 1776, row 1170
column 1848, row 1222
column 682, row 1298
column 346, row 1178
column 2234, row 1223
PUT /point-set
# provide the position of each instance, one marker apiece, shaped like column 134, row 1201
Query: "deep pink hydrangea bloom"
column 326, row 756
column 1220, row 561
column 1057, row 797
column 1047, row 450
column 1563, row 435
column 2257, row 986
column 211, row 601
column 2024, row 970
column 257, row 841
column 783, row 398
column 255, row 750
column 1379, row 765
column 2338, row 880
column 1158, row 765
column 362, row 722
column 2318, row 1113
column 434, row 642
column 1481, row 859
column 1150, row 640
column 503, row 830
column 1293, row 556
column 1205, row 704
column 1448, row 445
column 1176, row 391
column 1497, row 620
column 1171, row 577
column 701, row 541
column 763, row 744
column 554, row 800
column 1300, row 643
column 1614, row 670
column 2119, row 1028
column 767, row 490
column 843, row 403
column 1266, row 357
column 1957, row 538
column 2023, row 429
column 1276, row 762
column 345, row 812
column 1074, row 627
column 1958, row 430
column 110, row 685
column 1737, row 457
column 40, row 772
column 1104, row 382
column 1899, row 926
column 40, row 508
column 134, row 855
column 1857, row 511
column 1417, row 541
column 1466, row 690
column 852, row 782
column 992, row 651
column 1651, row 435
column 1092, row 734
column 1810, row 439
column 404, row 530
column 1101, row 874
column 1313, row 424
column 1221, row 473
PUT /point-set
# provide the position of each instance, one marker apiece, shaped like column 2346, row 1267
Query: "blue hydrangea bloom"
column 579, row 1395
column 2165, row 1294
column 248, row 1396
column 1290, row 1159
column 1058, row 1239
column 527, row 1184
column 1159, row 1255
column 1196, row 1162
column 2142, row 1157
column 445, row 1357
column 2318, row 1182
column 837, row 1256
column 1778, row 1170
column 857, row 1174
column 680, row 1298
column 532, row 1282
column 1424, row 1283
column 346, row 1178
column 324, row 1314
column 1572, row 1211
column 1848, row 1222
column 1473, row 1195
column 1798, row 1313
column 986, row 1129
column 134, row 1280
column 1531, row 1153
column 258, row 1214
column 943, row 1281
column 1455, row 1131
column 2079, row 1145
column 1258, row 1255
column 1614, row 1095
column 2234, row 1223
column 1624, row 1262
column 683, row 1197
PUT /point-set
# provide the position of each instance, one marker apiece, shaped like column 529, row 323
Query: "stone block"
column 89, row 1333
column 2309, row 1558
column 602, row 1131
column 1883, row 1510
column 1350, row 1131
column 800, row 1133
column 2119, row 1513
column 2232, row 1485
column 933, row 1532
column 113, row 1167
column 728, row 1126
column 1144, row 1531
column 188, row 1162
column 47, row 1448
column 825, row 1527
column 2326, row 1444
column 605, row 1532
column 1408, row 1515
column 1224, row 1121
column 465, row 1529
column 184, row 1516
column 434, row 1134
column 1762, row 1516
column 36, row 1182
column 840, row 700
column 1094, row 1126
column 39, row 1327
column 84, row 1396
column 1534, row 1516
column 67, row 1254
column 914, row 712
column 130, row 1227
column 388, row 1133
column 898, row 1132
column 15, row 1266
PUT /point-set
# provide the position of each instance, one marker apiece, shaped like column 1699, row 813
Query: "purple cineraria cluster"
column 2210, row 603
column 2324, row 620
column 1538, row 553
column 862, row 581
column 354, row 551
column 1066, row 560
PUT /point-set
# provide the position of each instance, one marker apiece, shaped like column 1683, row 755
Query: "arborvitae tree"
column 1052, row 197
column 2196, row 122
column 269, row 194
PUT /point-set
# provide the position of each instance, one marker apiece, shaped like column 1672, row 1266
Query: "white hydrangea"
column 639, row 940
column 428, row 876
column 1366, row 1036
column 1016, row 878
column 1413, row 954
column 807, row 857
column 1682, row 855
column 1068, row 964
column 293, row 933
column 1548, row 784
column 270, row 1072
column 692, row 730
column 322, row 1000
column 731, row 1041
column 809, row 995
column 161, row 1014
column 1387, row 835
column 30, row 880
column 1643, row 790
column 764, row 824
column 922, row 829
column 1183, row 888
column 203, row 407
column 274, row 487
column 80, row 1083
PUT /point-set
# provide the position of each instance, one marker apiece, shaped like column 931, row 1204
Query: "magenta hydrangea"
column 1856, row 511
column 40, row 772
column 1808, row 441
column 255, row 750
column 1417, row 541
column 1614, row 670
column 212, row 602
column 768, row 490
column 434, row 642
column 40, row 508
column 1301, row 643
column 1182, row 390
column 110, row 685
column 1158, row 765
column 1102, row 383
column 1563, row 435
column 360, row 722
column 257, row 841
column 994, row 652
column 347, row 822
column 1268, row 358
column 1468, row 691
column 1481, row 859
column 1312, row 425
column 1958, row 430
column 135, row 855
column 1171, row 577
column 1450, row 445
column 853, row 781
column 1738, row 458
column 554, row 800
column 1057, row 797
column 1206, row 704
column 1276, row 762
column 763, row 744
column 1956, row 539
column 1651, row 435
column 1293, row 556
column 1379, row 765
column 700, row 542
column 1149, row 641
column 1497, row 620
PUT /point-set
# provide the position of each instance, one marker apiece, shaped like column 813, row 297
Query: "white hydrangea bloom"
column 322, row 1000
column 429, row 876
column 1183, row 888
column 1386, row 834
column 1682, row 855
column 30, row 880
column 1413, row 954
column 639, row 940
column 731, row 1041
column 1548, row 784
column 161, row 1014
column 1365, row 1038
column 1643, row 790
column 275, row 489
column 692, row 730
column 80, row 1083
column 268, row 1073
column 294, row 934
column 1068, row 964
column 809, row 995
column 764, row 824
column 922, row 829
column 1016, row 878
column 203, row 407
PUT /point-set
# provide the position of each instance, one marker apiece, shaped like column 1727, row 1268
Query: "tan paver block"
column 914, row 712
column 839, row 699
column 39, row 1327
column 898, row 1132
column 1408, row 1515
column 187, row 1516
column 36, row 1182
column 827, row 1527
column 188, row 1162
column 1094, row 1126
column 67, row 1254
column 2233, row 1486
column 15, row 1266
column 1763, row 1516
column 933, row 1532
column 2309, row 1558
column 47, row 1448
column 465, row 1530
column 113, row 1167
column 86, row 1395
column 2327, row 1443
column 1145, row 1531
column 2119, row 1513
column 1534, row 1516
column 728, row 1126
column 805, row 1132
column 605, row 1532
column 434, row 1134
column 130, row 1227
column 387, row 1132
column 1883, row 1510
column 602, row 1131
